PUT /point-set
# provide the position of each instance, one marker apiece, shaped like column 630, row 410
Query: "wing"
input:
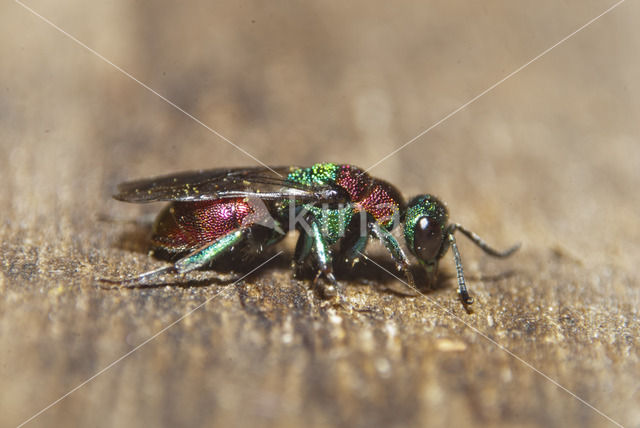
column 222, row 183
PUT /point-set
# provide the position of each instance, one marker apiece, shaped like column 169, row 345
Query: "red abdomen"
column 185, row 226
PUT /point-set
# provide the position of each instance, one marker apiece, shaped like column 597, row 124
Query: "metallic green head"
column 426, row 231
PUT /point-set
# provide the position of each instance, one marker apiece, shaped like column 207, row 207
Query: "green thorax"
column 318, row 174
column 332, row 221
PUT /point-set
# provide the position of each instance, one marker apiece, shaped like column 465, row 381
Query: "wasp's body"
column 336, row 209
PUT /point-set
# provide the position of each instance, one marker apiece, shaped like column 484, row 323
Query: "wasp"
column 336, row 208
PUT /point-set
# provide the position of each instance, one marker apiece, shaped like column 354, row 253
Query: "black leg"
column 462, row 286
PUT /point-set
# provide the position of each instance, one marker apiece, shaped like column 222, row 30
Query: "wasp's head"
column 425, row 230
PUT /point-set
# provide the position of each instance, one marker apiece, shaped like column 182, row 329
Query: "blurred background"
column 550, row 158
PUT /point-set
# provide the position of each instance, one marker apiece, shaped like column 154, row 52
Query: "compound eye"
column 427, row 240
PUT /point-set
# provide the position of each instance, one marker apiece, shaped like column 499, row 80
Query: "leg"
column 312, row 241
column 355, row 240
column 207, row 253
column 398, row 256
column 191, row 261
column 303, row 249
column 462, row 286
column 324, row 260
column 352, row 254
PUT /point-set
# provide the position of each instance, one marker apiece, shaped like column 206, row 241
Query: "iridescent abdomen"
column 185, row 226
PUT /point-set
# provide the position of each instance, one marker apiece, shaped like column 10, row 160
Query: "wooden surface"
column 549, row 158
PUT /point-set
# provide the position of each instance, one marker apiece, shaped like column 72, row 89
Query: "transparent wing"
column 258, row 182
